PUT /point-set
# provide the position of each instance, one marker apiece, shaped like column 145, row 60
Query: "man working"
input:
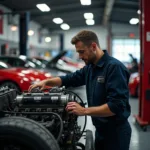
column 106, row 81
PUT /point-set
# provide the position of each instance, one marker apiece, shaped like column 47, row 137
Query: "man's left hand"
column 75, row 108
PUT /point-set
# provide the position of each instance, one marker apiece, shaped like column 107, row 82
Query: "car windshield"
column 43, row 61
column 4, row 65
column 37, row 63
column 30, row 64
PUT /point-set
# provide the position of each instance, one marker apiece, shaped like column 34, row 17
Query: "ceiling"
column 71, row 11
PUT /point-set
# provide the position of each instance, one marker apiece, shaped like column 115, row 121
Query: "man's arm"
column 117, row 96
column 117, row 89
column 56, row 81
column 101, row 111
column 73, row 79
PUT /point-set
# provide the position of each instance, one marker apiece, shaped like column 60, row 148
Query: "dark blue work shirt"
column 106, row 82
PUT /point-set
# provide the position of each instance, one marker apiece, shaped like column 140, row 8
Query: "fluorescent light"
column 57, row 20
column 90, row 22
column 88, row 16
column 43, row 7
column 13, row 28
column 139, row 12
column 47, row 39
column 65, row 26
column 85, row 2
column 30, row 32
column 134, row 21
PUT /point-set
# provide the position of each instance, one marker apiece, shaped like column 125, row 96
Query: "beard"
column 91, row 59
column 87, row 62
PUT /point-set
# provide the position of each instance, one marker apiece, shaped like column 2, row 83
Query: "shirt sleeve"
column 74, row 79
column 117, row 89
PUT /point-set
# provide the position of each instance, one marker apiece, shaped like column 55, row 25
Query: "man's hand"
column 75, row 108
column 41, row 85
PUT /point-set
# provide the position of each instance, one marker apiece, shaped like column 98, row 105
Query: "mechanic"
column 106, row 81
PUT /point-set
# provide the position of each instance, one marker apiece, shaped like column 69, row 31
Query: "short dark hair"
column 85, row 36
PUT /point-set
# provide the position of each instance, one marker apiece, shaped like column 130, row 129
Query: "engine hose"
column 85, row 121
column 61, row 128
column 41, row 113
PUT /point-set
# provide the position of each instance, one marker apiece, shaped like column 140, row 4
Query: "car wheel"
column 10, row 85
column 18, row 133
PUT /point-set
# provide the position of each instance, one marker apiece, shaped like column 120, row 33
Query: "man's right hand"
column 40, row 84
column 56, row 81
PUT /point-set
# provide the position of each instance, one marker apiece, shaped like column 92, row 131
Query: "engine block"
column 46, row 108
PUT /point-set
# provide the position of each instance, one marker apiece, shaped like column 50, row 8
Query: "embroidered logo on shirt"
column 100, row 79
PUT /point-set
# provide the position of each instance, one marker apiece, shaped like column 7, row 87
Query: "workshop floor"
column 140, row 140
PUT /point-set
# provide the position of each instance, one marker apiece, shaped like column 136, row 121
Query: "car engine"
column 48, row 109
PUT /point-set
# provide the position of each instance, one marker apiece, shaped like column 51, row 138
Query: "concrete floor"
column 140, row 140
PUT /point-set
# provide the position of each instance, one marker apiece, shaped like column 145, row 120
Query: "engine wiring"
column 37, row 90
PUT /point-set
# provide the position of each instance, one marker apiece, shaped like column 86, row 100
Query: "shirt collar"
column 103, row 59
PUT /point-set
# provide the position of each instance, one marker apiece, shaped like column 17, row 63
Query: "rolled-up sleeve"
column 74, row 79
column 117, row 88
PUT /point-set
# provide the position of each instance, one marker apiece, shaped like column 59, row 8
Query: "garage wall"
column 11, row 36
column 7, row 33
column 123, row 30
column 118, row 30
column 99, row 30
column 34, row 40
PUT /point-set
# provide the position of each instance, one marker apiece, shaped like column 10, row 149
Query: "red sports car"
column 73, row 63
column 20, row 78
column 134, row 84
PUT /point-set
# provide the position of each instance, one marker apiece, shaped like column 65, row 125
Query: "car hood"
column 54, row 71
column 28, row 73
column 56, row 58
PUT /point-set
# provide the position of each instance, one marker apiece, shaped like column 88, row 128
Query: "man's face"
column 86, row 53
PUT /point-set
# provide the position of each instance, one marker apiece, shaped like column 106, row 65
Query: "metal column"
column 23, row 34
column 143, row 118
column 61, row 38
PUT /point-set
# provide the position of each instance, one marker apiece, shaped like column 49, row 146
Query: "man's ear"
column 94, row 46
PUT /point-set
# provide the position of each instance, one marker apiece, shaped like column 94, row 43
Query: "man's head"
column 87, row 45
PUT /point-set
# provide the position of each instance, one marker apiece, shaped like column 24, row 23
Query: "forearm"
column 56, row 81
column 101, row 111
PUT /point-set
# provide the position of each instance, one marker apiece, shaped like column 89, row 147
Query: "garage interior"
column 37, row 39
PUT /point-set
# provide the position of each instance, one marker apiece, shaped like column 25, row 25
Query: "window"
column 123, row 47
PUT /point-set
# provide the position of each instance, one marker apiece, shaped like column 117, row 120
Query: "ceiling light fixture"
column 47, row 39
column 139, row 12
column 65, row 26
column 13, row 28
column 134, row 21
column 88, row 15
column 85, row 2
column 57, row 20
column 90, row 22
column 30, row 32
column 43, row 7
